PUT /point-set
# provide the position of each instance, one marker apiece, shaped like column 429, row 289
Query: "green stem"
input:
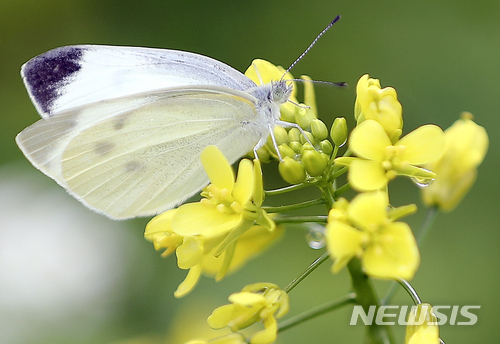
column 301, row 219
column 339, row 172
column 366, row 297
column 430, row 217
column 342, row 189
column 285, row 189
column 306, row 272
column 329, row 197
column 335, row 152
column 296, row 206
column 316, row 311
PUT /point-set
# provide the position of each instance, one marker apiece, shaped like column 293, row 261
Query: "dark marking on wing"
column 46, row 75
column 120, row 122
column 132, row 166
column 103, row 147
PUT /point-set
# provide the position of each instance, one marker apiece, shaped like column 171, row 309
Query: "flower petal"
column 344, row 242
column 244, row 186
column 393, row 253
column 189, row 253
column 159, row 224
column 445, row 193
column 369, row 140
column 366, row 175
column 221, row 316
column 246, row 298
column 422, row 145
column 268, row 335
column 369, row 210
column 467, row 144
column 201, row 219
column 189, row 282
column 258, row 192
column 218, row 169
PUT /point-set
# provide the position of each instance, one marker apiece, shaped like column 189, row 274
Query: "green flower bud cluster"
column 306, row 155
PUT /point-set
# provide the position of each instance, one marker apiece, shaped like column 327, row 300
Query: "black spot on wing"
column 46, row 75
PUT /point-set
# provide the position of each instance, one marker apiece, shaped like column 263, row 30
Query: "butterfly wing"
column 72, row 76
column 139, row 155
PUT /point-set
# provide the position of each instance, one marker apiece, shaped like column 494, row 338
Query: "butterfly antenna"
column 312, row 44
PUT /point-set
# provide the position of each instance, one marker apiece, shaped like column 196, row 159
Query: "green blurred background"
column 70, row 276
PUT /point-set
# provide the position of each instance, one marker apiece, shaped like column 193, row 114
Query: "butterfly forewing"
column 68, row 77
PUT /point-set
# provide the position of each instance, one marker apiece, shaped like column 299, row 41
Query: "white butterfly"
column 122, row 128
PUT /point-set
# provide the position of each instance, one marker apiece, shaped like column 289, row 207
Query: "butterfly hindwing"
column 139, row 155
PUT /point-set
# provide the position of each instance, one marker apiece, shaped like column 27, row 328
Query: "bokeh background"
column 70, row 276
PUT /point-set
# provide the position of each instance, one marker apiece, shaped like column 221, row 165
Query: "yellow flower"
column 208, row 236
column 456, row 170
column 379, row 104
column 422, row 326
column 365, row 229
column 227, row 205
column 256, row 302
column 380, row 161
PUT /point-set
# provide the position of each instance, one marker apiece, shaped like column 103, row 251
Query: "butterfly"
column 122, row 128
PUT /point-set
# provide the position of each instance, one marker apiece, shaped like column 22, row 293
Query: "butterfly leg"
column 293, row 125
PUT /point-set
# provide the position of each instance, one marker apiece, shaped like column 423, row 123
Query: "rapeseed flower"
column 456, row 170
column 365, row 228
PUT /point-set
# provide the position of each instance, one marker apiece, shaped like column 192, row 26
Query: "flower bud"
column 292, row 170
column 287, row 111
column 326, row 147
column 280, row 135
column 338, row 132
column 304, row 117
column 379, row 104
column 263, row 153
column 294, row 134
column 296, row 146
column 306, row 146
column 319, row 129
column 314, row 162
column 285, row 150
column 310, row 136
column 422, row 326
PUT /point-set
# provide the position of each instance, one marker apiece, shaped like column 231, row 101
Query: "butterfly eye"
column 280, row 92
column 277, row 94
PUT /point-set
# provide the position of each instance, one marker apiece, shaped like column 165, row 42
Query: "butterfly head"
column 280, row 91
